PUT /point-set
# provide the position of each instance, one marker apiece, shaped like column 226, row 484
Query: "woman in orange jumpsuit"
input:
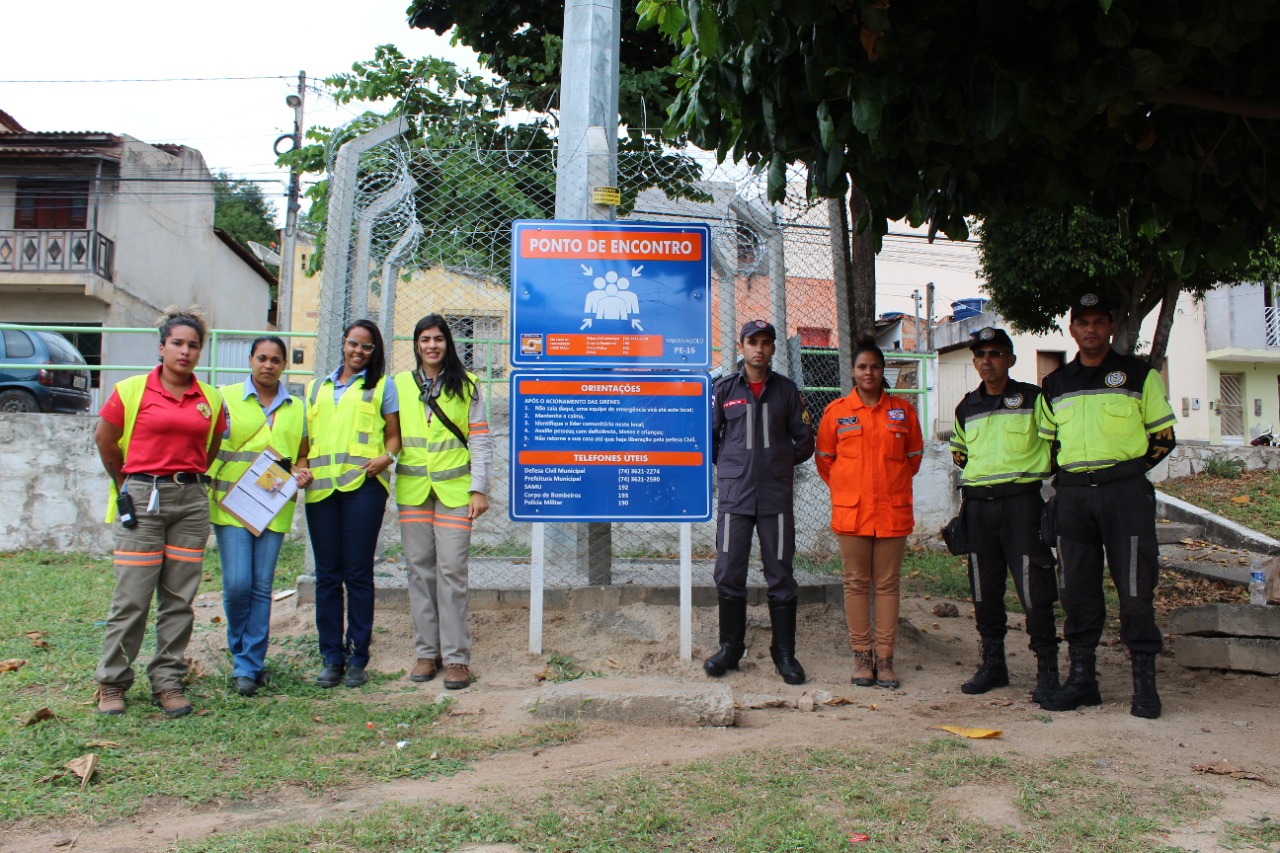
column 869, row 447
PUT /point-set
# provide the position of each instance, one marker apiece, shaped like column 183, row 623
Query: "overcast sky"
column 234, row 122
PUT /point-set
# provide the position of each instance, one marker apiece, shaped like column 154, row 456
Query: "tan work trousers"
column 437, row 546
column 872, row 563
column 163, row 557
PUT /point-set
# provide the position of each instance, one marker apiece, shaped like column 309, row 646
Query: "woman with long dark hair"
column 353, row 427
column 441, row 482
column 869, row 448
column 156, row 437
column 261, row 413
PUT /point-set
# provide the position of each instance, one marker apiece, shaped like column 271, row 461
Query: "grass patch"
column 1224, row 496
column 562, row 668
column 1262, row 833
column 817, row 800
column 935, row 572
column 293, row 734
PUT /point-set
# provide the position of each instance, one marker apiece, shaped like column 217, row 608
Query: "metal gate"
column 1231, row 408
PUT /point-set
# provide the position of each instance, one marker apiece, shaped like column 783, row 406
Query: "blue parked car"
column 39, row 390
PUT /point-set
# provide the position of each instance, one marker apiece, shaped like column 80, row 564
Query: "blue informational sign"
column 610, row 446
column 607, row 294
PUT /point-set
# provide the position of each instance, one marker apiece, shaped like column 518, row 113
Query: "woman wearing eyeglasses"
column 441, row 482
column 353, row 425
column 261, row 413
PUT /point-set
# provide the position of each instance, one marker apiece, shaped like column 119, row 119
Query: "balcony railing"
column 1271, row 317
column 40, row 250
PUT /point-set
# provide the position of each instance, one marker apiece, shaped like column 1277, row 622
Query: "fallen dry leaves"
column 1222, row 767
column 12, row 664
column 968, row 732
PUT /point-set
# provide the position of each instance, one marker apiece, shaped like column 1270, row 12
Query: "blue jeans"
column 248, row 569
column 344, row 534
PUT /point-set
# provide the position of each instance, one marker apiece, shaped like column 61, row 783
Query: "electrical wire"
column 160, row 80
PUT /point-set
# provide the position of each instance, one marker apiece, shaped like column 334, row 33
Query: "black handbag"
column 956, row 534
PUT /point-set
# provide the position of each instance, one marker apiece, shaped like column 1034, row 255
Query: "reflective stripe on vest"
column 250, row 435
column 130, row 391
column 432, row 459
column 343, row 437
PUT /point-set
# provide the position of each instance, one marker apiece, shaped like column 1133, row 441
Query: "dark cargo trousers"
column 1116, row 519
column 1004, row 538
column 777, row 548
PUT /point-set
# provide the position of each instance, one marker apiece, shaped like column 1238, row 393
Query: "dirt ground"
column 1208, row 717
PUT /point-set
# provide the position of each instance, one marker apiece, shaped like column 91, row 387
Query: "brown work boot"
column 111, row 699
column 457, row 676
column 425, row 669
column 172, row 702
column 864, row 670
column 885, row 676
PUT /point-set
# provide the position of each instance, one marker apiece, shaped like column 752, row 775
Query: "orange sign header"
column 612, row 245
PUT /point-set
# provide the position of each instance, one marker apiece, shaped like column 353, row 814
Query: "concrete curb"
column 1221, row 530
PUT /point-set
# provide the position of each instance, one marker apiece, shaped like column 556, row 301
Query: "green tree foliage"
column 1161, row 113
column 521, row 42
column 1035, row 265
column 450, row 110
column 240, row 209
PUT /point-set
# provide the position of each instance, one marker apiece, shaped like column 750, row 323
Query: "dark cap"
column 751, row 327
column 1090, row 302
column 990, row 336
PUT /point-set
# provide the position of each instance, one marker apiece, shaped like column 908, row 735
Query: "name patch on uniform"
column 1013, row 401
column 897, row 414
column 844, row 421
column 1115, row 379
column 729, row 403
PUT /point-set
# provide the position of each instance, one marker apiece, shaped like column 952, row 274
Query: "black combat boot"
column 1081, row 687
column 1146, row 701
column 733, row 637
column 783, row 651
column 993, row 672
column 1046, row 676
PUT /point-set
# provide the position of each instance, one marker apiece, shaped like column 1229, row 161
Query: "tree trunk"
column 862, row 269
column 1164, row 324
column 1129, row 314
column 838, row 220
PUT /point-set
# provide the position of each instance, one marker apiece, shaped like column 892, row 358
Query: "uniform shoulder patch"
column 805, row 417
column 1013, row 401
column 1115, row 378
column 897, row 414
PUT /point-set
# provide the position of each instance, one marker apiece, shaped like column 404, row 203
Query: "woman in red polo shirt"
column 157, row 435
column 869, row 447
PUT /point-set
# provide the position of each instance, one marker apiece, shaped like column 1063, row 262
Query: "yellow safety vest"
column 344, row 436
column 250, row 435
column 431, row 457
column 130, row 391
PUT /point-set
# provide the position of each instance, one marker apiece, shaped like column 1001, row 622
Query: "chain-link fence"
column 431, row 233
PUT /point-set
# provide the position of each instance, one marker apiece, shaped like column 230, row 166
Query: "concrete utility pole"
column 588, row 148
column 915, row 297
column 284, row 291
column 928, row 323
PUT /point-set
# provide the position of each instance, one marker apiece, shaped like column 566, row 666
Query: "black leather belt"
column 182, row 478
column 1001, row 490
column 1120, row 471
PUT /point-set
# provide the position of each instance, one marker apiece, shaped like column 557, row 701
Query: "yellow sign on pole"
column 606, row 195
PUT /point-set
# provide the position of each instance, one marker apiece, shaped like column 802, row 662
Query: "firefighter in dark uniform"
column 1110, row 418
column 1004, row 461
column 760, row 431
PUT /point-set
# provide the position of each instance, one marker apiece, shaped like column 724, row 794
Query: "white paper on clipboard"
column 264, row 490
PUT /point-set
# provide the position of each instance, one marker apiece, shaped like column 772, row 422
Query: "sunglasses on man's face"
column 988, row 353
